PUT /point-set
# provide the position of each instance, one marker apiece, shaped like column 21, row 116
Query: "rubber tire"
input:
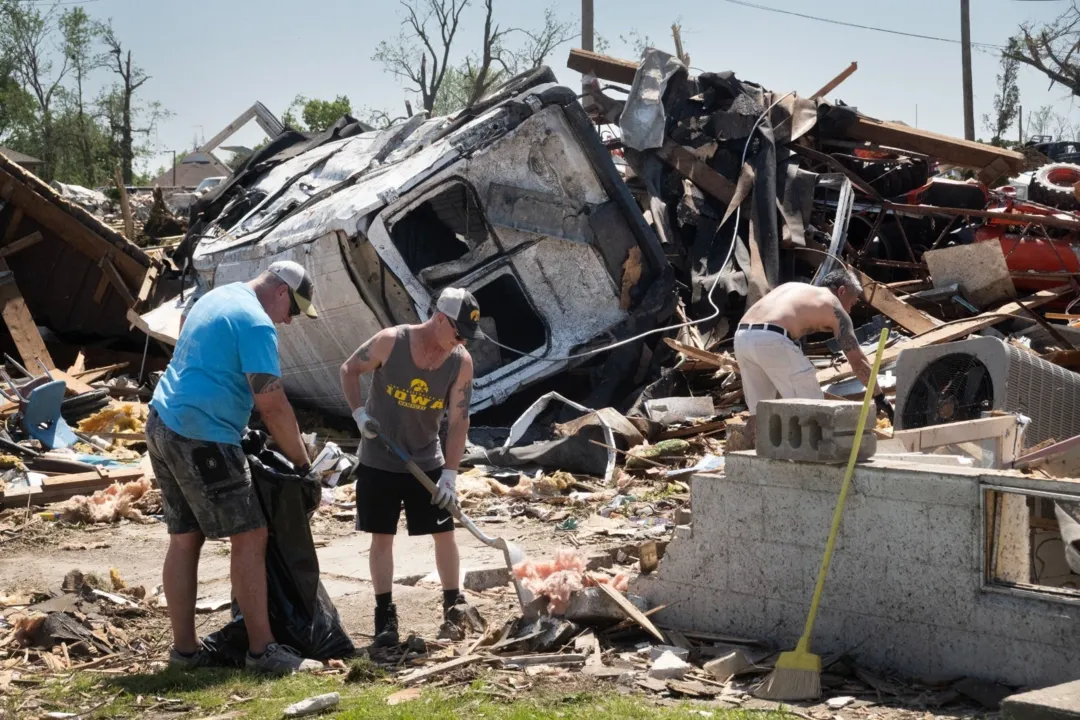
column 1053, row 185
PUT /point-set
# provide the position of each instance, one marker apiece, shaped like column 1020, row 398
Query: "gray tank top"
column 409, row 404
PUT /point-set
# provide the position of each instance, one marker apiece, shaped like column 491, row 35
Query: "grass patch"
column 210, row 692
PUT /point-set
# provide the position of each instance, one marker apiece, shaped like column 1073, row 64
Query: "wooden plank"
column 428, row 673
column 125, row 204
column 697, row 171
column 20, row 323
column 96, row 374
column 79, row 365
column 21, row 244
column 110, row 272
column 554, row 659
column 835, row 82
column 953, row 151
column 884, row 301
column 75, row 386
column 631, row 612
column 66, row 227
column 64, row 487
column 102, row 286
column 926, row 438
column 703, row 429
column 702, row 355
column 147, row 287
column 604, row 67
column 954, row 331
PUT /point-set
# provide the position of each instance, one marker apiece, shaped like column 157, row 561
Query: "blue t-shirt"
column 204, row 393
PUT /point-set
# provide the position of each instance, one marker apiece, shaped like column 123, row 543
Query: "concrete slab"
column 1060, row 702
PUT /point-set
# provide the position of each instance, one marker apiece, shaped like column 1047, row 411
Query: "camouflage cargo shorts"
column 205, row 486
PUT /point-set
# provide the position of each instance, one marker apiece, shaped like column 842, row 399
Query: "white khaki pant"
column 771, row 365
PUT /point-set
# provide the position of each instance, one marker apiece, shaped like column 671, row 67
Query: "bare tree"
column 1052, row 48
column 1006, row 101
column 427, row 24
column 25, row 45
column 447, row 88
column 79, row 37
column 132, row 77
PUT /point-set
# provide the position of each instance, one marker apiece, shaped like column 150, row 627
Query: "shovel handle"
column 424, row 480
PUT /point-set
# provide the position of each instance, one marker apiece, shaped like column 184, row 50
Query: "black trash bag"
column 302, row 615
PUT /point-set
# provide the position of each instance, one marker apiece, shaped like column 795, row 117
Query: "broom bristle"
column 790, row 684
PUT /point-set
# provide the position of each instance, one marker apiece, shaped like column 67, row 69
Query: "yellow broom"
column 797, row 675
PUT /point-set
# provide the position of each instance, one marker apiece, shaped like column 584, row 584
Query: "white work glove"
column 369, row 426
column 446, row 490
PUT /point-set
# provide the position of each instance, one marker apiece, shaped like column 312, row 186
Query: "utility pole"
column 587, row 25
column 965, row 59
column 173, row 166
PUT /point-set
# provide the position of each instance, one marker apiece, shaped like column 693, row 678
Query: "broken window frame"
column 1027, row 487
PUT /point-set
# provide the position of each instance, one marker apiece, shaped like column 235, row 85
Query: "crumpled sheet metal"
column 517, row 430
column 643, row 118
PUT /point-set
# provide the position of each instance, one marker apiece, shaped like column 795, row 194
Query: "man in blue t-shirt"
column 225, row 363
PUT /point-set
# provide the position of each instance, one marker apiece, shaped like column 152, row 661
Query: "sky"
column 209, row 60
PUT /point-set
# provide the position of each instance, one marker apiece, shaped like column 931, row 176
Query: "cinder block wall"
column 904, row 589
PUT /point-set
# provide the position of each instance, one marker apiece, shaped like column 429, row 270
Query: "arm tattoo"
column 363, row 353
column 262, row 383
column 845, row 330
column 465, row 401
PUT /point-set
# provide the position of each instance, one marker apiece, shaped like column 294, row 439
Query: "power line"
column 860, row 27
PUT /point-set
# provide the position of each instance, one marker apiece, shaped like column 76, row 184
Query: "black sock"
column 383, row 600
column 450, row 598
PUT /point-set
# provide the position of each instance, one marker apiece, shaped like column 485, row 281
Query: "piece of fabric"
column 204, row 393
column 409, row 404
column 771, row 365
column 205, row 486
column 380, row 495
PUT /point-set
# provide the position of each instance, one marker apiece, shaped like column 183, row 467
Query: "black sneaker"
column 386, row 626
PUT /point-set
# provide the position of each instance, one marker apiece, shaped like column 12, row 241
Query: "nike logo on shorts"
column 443, row 521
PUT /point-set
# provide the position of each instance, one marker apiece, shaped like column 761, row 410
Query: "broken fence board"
column 704, row 356
column 109, row 271
column 631, row 612
column 22, row 243
column 953, row 331
column 884, row 301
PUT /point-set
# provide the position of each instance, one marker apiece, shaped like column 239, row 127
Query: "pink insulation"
column 559, row 578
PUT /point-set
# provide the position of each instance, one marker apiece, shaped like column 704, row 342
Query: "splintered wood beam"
column 125, row 204
column 697, row 171
column 884, row 301
column 109, row 271
column 953, row 151
column 20, row 323
column 835, row 82
column 602, row 66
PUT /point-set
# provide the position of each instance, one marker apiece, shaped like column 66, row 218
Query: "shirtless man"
column 770, row 360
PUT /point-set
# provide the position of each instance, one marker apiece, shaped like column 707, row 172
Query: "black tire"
column 1053, row 185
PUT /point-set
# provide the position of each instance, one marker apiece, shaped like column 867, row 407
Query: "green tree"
column 1006, row 101
column 25, row 44
column 316, row 115
column 80, row 34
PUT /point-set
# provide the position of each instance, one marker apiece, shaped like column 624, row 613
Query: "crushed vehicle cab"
column 515, row 199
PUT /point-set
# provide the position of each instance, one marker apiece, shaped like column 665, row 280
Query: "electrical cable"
column 861, row 27
column 716, row 280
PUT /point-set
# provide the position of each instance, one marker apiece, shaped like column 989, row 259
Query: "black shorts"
column 380, row 495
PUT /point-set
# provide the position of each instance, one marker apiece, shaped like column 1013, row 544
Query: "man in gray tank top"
column 420, row 373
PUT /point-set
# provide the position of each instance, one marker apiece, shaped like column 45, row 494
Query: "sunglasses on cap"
column 453, row 326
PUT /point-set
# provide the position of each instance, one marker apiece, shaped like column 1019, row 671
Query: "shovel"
column 512, row 553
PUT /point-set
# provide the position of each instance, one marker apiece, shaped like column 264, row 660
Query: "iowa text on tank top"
column 409, row 403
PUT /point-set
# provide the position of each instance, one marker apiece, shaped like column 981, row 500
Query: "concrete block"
column 1059, row 702
column 798, row 516
column 1025, row 619
column 669, row 667
column 954, row 537
column 771, row 570
column 731, row 510
column 957, row 486
column 928, row 594
column 821, row 431
column 724, row 667
column 891, row 528
column 728, row 612
column 592, row 605
column 856, row 581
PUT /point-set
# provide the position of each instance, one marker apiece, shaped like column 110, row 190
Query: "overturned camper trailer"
column 515, row 199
